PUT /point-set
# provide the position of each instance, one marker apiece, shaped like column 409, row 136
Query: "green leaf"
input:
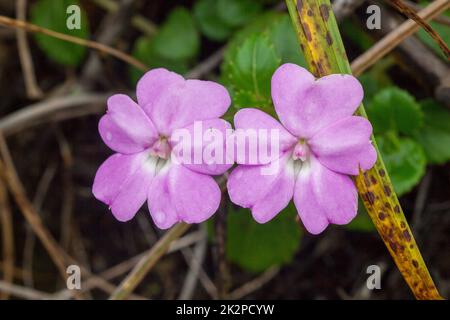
column 376, row 79
column 205, row 13
column 256, row 247
column 285, row 42
column 435, row 134
column 394, row 109
column 144, row 51
column 278, row 29
column 257, row 26
column 362, row 221
column 237, row 12
column 173, row 47
column 52, row 15
column 404, row 159
column 178, row 38
column 253, row 54
column 248, row 71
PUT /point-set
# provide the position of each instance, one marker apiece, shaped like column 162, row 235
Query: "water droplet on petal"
column 160, row 217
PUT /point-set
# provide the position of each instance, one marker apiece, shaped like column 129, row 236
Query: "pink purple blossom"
column 321, row 145
column 141, row 134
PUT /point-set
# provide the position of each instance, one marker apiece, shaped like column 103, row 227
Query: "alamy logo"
column 73, row 281
column 374, row 280
column 73, row 21
column 374, row 20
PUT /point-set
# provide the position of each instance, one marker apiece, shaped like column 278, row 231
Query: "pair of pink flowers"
column 321, row 143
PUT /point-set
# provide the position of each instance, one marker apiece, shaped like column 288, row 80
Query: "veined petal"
column 265, row 189
column 160, row 203
column 195, row 196
column 125, row 127
column 345, row 146
column 175, row 104
column 259, row 138
column 305, row 106
column 322, row 196
column 122, row 182
column 201, row 146
column 154, row 84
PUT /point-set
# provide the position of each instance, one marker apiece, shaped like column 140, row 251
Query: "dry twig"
column 14, row 23
column 7, row 238
column 390, row 41
column 33, row 90
column 130, row 283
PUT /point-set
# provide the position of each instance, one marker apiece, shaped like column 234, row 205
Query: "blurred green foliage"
column 435, row 133
column 409, row 135
column 174, row 46
column 52, row 15
column 252, row 56
column 218, row 19
column 256, row 247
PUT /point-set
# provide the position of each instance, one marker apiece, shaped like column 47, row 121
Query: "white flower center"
column 300, row 157
column 161, row 148
column 158, row 160
column 301, row 151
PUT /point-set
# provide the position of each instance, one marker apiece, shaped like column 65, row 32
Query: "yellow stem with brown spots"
column 322, row 46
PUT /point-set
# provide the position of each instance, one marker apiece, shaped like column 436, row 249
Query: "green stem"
column 324, row 51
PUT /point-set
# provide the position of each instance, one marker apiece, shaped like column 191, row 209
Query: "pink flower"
column 142, row 135
column 321, row 143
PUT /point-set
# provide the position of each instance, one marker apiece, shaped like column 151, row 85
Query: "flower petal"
column 154, row 84
column 322, row 196
column 345, row 146
column 122, row 182
column 183, row 102
column 265, row 191
column 160, row 205
column 195, row 196
column 125, row 127
column 305, row 106
column 264, row 136
column 201, row 146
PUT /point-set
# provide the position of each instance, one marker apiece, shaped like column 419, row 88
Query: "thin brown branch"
column 195, row 262
column 254, row 284
column 14, row 23
column 31, row 115
column 207, row 65
column 7, row 239
column 32, row 88
column 125, row 266
column 24, row 292
column 419, row 60
column 223, row 275
column 135, row 277
column 9, row 174
column 30, row 238
column 411, row 14
column 442, row 19
column 68, row 198
column 108, row 32
column 18, row 272
column 205, row 280
column 390, row 41
column 58, row 255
